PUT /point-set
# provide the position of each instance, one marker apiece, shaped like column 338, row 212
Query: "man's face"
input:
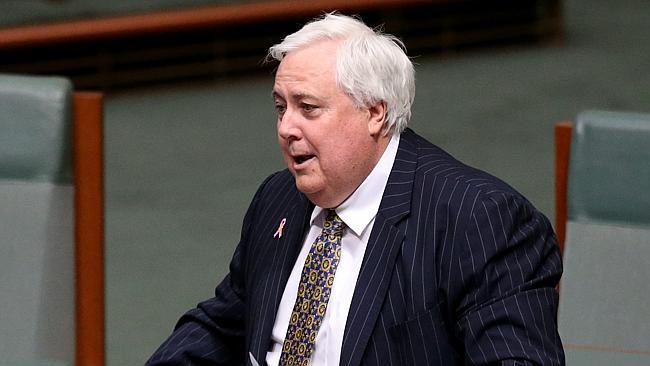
column 328, row 144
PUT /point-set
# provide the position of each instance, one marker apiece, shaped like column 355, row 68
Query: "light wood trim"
column 89, row 228
column 188, row 19
column 562, row 153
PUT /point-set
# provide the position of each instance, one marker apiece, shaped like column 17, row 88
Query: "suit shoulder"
column 277, row 180
column 278, row 186
column 437, row 167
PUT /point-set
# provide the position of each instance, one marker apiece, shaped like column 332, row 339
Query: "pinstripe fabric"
column 459, row 269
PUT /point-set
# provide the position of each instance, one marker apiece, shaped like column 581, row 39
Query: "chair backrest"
column 51, row 224
column 604, row 294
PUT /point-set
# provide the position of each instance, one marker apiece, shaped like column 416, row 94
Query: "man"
column 375, row 247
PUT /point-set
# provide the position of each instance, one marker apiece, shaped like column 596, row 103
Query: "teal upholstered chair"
column 604, row 314
column 51, row 275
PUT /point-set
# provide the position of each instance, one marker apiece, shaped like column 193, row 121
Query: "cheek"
column 283, row 149
column 338, row 165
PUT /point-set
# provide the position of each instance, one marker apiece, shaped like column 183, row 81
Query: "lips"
column 299, row 155
column 301, row 160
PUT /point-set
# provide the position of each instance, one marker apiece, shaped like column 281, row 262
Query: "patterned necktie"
column 313, row 293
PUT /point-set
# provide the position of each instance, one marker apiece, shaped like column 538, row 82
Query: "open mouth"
column 299, row 159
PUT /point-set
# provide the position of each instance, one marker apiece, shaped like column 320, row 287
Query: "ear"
column 377, row 118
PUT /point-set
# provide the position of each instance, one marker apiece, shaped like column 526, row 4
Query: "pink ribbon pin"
column 278, row 233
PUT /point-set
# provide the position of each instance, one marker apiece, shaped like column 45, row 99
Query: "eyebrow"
column 296, row 96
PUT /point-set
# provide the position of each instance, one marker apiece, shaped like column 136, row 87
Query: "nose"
column 288, row 127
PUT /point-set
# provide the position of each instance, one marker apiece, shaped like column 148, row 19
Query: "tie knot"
column 333, row 223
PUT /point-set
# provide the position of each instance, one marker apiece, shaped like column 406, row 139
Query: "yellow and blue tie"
column 314, row 291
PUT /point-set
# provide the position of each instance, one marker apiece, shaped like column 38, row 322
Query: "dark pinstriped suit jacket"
column 459, row 269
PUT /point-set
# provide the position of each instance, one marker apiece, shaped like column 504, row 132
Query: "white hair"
column 371, row 66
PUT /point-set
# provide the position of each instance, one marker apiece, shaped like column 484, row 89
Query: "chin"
column 307, row 188
column 314, row 192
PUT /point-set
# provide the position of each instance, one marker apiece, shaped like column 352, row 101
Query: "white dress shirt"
column 358, row 213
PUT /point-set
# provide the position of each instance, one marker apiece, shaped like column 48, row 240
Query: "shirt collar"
column 358, row 210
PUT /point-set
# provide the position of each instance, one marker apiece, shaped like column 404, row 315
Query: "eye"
column 308, row 107
column 280, row 108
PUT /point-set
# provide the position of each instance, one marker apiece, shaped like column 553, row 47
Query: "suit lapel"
column 379, row 259
column 279, row 261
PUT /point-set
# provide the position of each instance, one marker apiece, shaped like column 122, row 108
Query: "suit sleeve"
column 213, row 333
column 511, row 266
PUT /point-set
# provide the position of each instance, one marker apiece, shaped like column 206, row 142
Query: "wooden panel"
column 228, row 40
column 89, row 228
column 562, row 154
column 169, row 21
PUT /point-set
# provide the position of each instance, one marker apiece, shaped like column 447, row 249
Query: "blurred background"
column 190, row 128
